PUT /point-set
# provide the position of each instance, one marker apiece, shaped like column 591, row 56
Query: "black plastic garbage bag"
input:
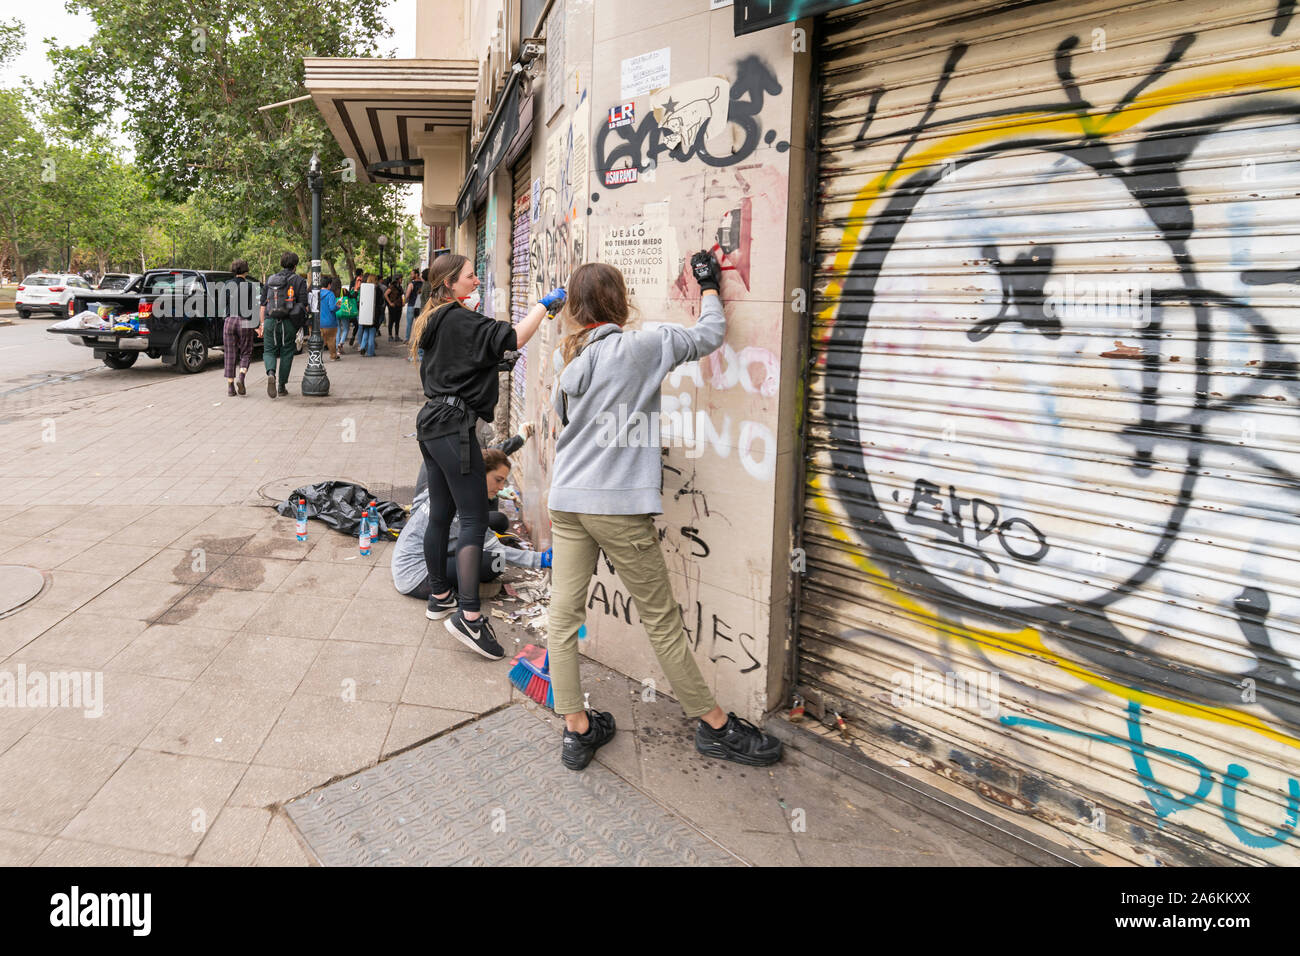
column 339, row 504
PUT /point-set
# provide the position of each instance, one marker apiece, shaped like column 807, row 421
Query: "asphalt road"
column 39, row 367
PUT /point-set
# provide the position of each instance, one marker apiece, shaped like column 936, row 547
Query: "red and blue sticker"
column 621, row 115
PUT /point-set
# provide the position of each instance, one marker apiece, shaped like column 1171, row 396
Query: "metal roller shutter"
column 519, row 284
column 480, row 242
column 1052, row 519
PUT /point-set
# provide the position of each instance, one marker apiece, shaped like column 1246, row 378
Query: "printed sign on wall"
column 644, row 73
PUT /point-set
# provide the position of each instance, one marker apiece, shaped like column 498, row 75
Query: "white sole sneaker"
column 442, row 612
column 469, row 642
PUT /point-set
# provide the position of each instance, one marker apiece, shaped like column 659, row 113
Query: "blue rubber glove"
column 554, row 299
column 546, row 558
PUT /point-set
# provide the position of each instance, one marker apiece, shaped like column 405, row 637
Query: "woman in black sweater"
column 463, row 352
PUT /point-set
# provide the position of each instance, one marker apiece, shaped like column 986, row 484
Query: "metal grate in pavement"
column 494, row 793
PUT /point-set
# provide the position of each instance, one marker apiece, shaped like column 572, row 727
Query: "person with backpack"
column 605, row 492
column 284, row 312
column 346, row 313
column 463, row 356
column 237, row 333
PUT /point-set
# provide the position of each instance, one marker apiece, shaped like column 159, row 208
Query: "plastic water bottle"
column 374, row 520
column 302, row 519
column 364, row 540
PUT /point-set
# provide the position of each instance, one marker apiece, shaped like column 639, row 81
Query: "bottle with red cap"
column 301, row 515
column 364, row 539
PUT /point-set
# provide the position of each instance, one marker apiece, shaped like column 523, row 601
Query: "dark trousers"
column 486, row 572
column 278, row 340
column 451, row 492
column 395, row 322
column 236, row 345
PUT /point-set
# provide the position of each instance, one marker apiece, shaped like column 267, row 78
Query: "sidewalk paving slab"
column 246, row 672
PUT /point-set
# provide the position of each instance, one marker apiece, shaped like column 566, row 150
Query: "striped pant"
column 236, row 345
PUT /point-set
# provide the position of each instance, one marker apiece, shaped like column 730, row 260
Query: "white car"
column 48, row 292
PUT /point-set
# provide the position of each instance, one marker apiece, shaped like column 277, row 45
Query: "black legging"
column 451, row 492
column 394, row 321
column 487, row 571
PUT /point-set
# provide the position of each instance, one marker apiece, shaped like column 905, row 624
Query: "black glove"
column 508, row 360
column 706, row 270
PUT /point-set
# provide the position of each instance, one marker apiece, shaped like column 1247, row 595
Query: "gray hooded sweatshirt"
column 612, row 391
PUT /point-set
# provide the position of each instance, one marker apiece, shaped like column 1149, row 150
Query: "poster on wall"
column 574, row 192
column 555, row 30
column 641, row 74
column 643, row 250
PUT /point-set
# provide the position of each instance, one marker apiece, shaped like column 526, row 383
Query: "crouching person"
column 411, row 571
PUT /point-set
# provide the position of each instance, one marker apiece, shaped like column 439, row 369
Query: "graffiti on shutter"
column 1053, row 504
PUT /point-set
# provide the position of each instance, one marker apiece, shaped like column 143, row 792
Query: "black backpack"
column 281, row 297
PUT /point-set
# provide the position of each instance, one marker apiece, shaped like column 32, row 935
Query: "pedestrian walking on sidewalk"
column 604, row 493
column 345, row 310
column 329, row 323
column 366, row 315
column 284, row 308
column 413, row 285
column 463, row 353
column 238, row 333
column 393, row 300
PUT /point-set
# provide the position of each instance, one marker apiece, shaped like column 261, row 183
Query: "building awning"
column 381, row 111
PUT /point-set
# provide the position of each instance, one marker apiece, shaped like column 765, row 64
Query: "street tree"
column 189, row 76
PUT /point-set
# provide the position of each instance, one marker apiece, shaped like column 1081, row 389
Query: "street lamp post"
column 314, row 380
column 383, row 241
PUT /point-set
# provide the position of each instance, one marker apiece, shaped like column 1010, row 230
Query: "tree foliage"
column 189, row 76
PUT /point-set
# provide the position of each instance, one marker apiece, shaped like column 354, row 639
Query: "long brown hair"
column 442, row 274
column 596, row 294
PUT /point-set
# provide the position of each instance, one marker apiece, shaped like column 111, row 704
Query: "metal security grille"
column 480, row 242
column 1052, row 532
column 519, row 283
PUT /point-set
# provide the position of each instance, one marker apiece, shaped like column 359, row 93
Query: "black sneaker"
column 441, row 607
column 283, row 390
column 476, row 635
column 738, row 740
column 578, row 749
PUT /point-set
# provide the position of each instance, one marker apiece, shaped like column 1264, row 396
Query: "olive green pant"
column 632, row 545
column 279, row 338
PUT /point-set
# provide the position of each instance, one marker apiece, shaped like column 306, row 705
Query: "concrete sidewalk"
column 242, row 668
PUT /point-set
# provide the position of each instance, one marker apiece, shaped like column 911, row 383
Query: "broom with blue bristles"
column 532, row 674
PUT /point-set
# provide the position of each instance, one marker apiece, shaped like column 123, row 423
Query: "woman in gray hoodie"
column 605, row 492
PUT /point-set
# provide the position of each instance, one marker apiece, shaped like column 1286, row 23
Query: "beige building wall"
column 442, row 30
column 725, row 186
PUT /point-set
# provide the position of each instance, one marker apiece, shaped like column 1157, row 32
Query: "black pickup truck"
column 173, row 314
